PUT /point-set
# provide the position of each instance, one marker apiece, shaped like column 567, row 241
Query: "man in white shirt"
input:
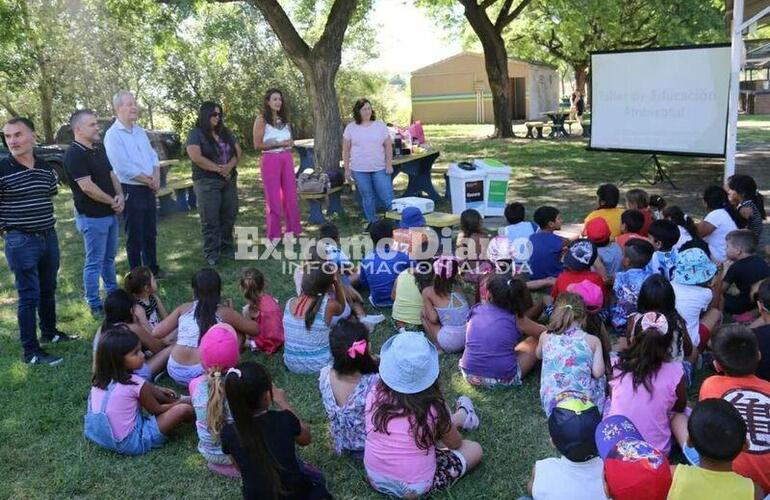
column 138, row 169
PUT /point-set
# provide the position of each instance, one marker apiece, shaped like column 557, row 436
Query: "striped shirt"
column 26, row 195
column 754, row 222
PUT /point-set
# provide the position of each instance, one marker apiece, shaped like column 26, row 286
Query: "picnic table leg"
column 316, row 214
column 421, row 183
column 192, row 200
column 529, row 132
column 181, row 200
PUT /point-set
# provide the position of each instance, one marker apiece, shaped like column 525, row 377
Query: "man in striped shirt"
column 27, row 186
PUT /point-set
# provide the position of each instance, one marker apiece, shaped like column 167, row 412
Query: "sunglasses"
column 215, row 114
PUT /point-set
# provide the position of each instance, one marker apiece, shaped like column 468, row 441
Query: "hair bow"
column 234, row 370
column 357, row 349
column 444, row 266
column 655, row 321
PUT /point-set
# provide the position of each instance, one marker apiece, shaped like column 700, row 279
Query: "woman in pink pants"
column 272, row 136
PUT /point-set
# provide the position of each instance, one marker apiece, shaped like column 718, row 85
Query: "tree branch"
column 502, row 14
column 336, row 25
column 515, row 13
column 486, row 4
column 276, row 17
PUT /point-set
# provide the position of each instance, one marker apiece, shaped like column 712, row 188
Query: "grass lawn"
column 42, row 450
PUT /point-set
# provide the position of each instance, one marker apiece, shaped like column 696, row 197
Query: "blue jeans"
column 34, row 260
column 369, row 184
column 100, row 237
column 141, row 226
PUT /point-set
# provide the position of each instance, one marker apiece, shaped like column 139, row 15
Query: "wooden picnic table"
column 558, row 118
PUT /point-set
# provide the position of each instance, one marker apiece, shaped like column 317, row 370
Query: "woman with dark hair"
column 720, row 220
column 368, row 158
column 272, row 136
column 214, row 154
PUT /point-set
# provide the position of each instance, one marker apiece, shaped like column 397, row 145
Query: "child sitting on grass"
column 607, row 199
column 262, row 442
column 631, row 223
column 344, row 385
column 445, row 309
column 697, row 302
column 657, row 205
column 611, row 255
column 220, row 351
column 518, row 227
column 114, row 418
column 633, row 468
column 577, row 474
column 648, row 387
column 412, row 232
column 141, row 284
column 637, row 255
column 746, row 268
column 684, row 223
column 379, row 269
column 547, row 248
column 262, row 308
column 720, row 220
column 407, row 295
column 748, row 201
column 573, row 360
column 664, row 235
column 307, row 321
column 412, row 443
column 471, row 247
column 718, row 433
column 638, row 199
column 578, row 260
column 735, row 359
column 497, row 354
column 120, row 309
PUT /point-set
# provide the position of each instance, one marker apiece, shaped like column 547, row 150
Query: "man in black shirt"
column 98, row 198
column 27, row 186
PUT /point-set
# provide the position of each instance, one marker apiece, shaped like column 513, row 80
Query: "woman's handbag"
column 313, row 182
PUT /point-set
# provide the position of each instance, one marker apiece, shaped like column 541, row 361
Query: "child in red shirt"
column 638, row 199
column 631, row 223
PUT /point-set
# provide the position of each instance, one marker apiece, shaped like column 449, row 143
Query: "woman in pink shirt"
column 406, row 416
column 368, row 158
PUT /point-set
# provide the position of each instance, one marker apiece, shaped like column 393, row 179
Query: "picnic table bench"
column 176, row 196
column 315, row 200
column 435, row 220
column 534, row 130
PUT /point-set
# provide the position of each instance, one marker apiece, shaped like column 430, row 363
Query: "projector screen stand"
column 658, row 174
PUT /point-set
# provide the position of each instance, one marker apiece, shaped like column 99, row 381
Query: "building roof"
column 477, row 54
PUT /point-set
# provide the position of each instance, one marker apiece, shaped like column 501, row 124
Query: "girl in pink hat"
column 219, row 351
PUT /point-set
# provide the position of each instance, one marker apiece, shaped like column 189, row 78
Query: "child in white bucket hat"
column 406, row 415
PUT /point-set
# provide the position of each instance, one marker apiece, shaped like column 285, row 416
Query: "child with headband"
column 345, row 383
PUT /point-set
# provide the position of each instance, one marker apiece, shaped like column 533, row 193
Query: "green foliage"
column 566, row 31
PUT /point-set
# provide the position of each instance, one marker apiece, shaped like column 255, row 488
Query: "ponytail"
column 568, row 309
column 312, row 310
column 252, row 285
column 215, row 408
column 315, row 284
column 245, row 387
column 676, row 215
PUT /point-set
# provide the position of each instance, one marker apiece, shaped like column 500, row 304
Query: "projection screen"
column 669, row 100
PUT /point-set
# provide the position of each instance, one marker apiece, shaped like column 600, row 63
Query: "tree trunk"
column 46, row 111
column 581, row 77
column 319, row 83
column 496, row 62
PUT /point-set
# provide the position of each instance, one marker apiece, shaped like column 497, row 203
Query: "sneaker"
column 691, row 454
column 57, row 337
column 42, row 358
column 161, row 274
column 372, row 320
column 471, row 419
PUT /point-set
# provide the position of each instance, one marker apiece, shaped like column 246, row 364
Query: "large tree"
column 489, row 19
column 567, row 31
